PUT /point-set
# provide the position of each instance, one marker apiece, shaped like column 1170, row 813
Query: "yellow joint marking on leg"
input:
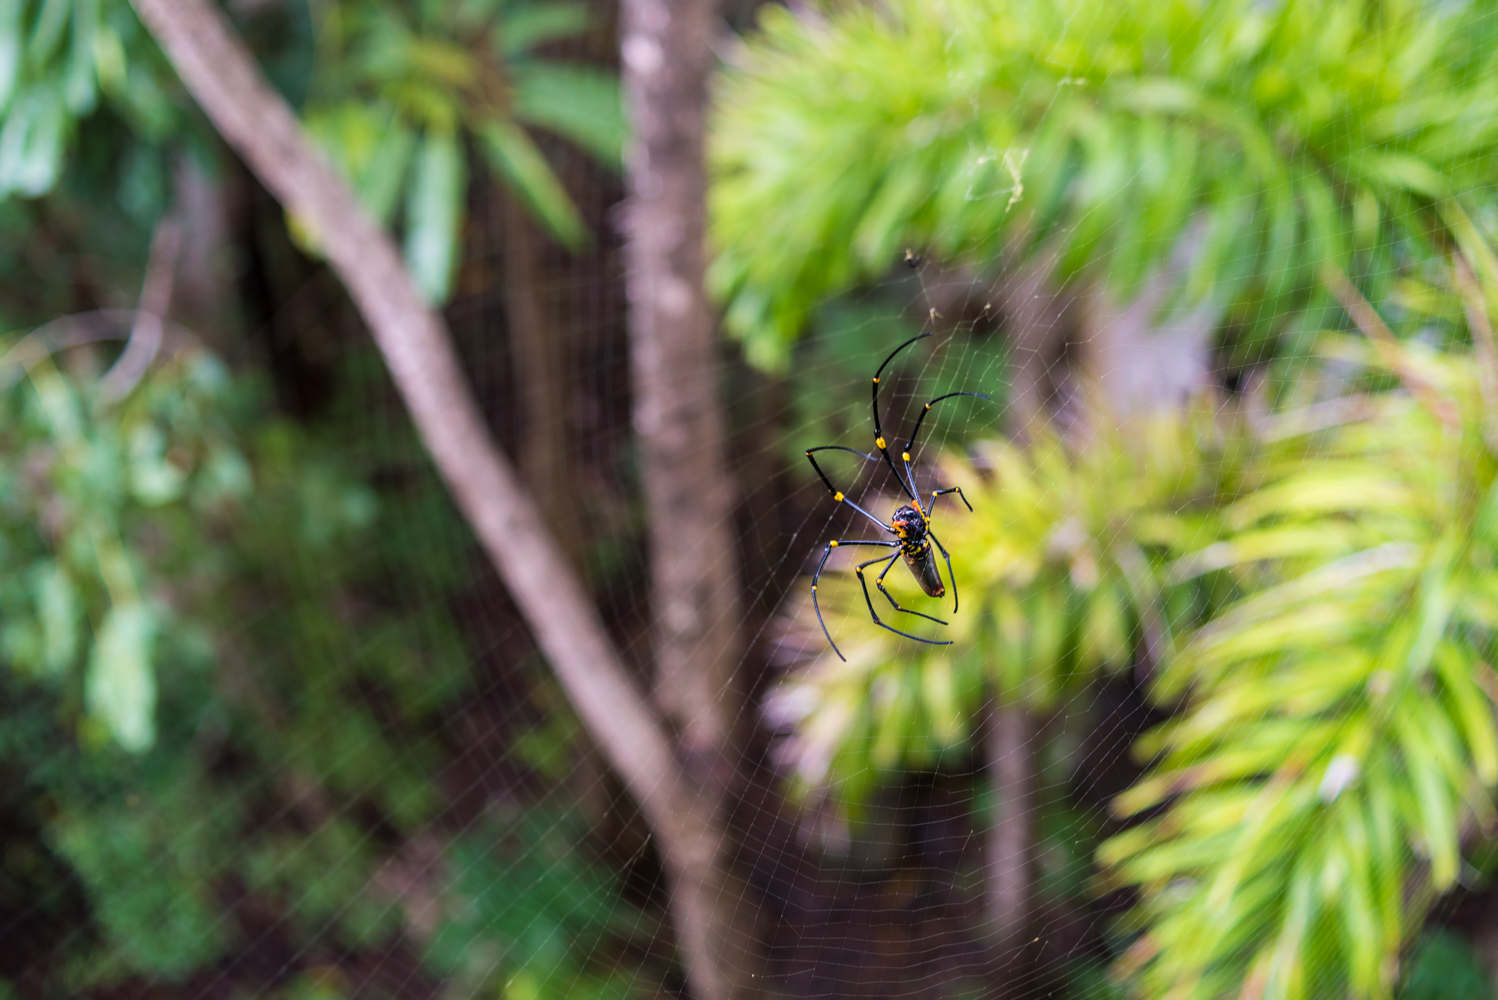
column 876, row 378
column 832, row 545
column 905, row 455
column 838, row 497
column 859, row 571
column 928, row 406
column 813, row 587
column 879, row 442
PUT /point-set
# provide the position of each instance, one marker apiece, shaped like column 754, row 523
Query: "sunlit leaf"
column 10, row 49
column 575, row 102
column 121, row 682
column 434, row 214
column 80, row 82
column 31, row 142
column 1090, row 144
column 524, row 26
column 1344, row 692
column 60, row 613
column 513, row 155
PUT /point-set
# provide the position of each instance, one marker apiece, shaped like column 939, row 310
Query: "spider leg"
column 827, row 551
column 943, row 550
column 838, row 494
column 941, row 493
column 909, row 449
column 907, row 484
column 875, row 615
column 879, row 582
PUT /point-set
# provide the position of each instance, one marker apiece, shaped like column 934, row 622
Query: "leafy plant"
column 57, row 57
column 1338, row 742
column 1269, row 138
column 530, row 912
column 399, row 85
column 80, row 478
column 210, row 683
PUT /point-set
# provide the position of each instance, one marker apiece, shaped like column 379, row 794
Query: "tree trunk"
column 673, row 353
column 679, row 421
column 1011, row 761
column 414, row 341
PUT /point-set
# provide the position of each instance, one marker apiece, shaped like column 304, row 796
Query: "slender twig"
column 155, row 299
column 76, row 330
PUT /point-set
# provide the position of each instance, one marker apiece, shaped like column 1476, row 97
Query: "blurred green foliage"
column 393, row 90
column 398, row 85
column 57, row 58
column 1444, row 967
column 990, row 131
column 213, row 689
column 1338, row 736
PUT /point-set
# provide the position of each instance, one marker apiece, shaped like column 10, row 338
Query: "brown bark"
column 679, row 422
column 677, row 415
column 1011, row 761
column 414, row 341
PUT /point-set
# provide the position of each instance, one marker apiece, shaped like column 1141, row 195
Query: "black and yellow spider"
column 911, row 525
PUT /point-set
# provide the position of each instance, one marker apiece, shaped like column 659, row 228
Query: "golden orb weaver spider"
column 911, row 525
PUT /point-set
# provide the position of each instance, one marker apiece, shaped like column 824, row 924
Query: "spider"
column 911, row 525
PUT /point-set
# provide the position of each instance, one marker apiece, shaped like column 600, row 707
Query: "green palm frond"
column 421, row 81
column 1338, row 743
column 986, row 130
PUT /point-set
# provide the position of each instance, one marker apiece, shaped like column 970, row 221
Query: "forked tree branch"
column 257, row 123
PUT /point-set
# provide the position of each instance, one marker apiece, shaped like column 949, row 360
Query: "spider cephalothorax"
column 911, row 523
column 912, row 528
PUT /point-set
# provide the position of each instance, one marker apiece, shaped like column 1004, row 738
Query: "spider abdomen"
column 922, row 563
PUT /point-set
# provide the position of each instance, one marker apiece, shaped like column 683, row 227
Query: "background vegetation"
column 271, row 727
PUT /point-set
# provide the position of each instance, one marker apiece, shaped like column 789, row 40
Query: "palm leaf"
column 575, row 102
column 434, row 214
column 989, row 129
column 513, row 156
column 1342, row 697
